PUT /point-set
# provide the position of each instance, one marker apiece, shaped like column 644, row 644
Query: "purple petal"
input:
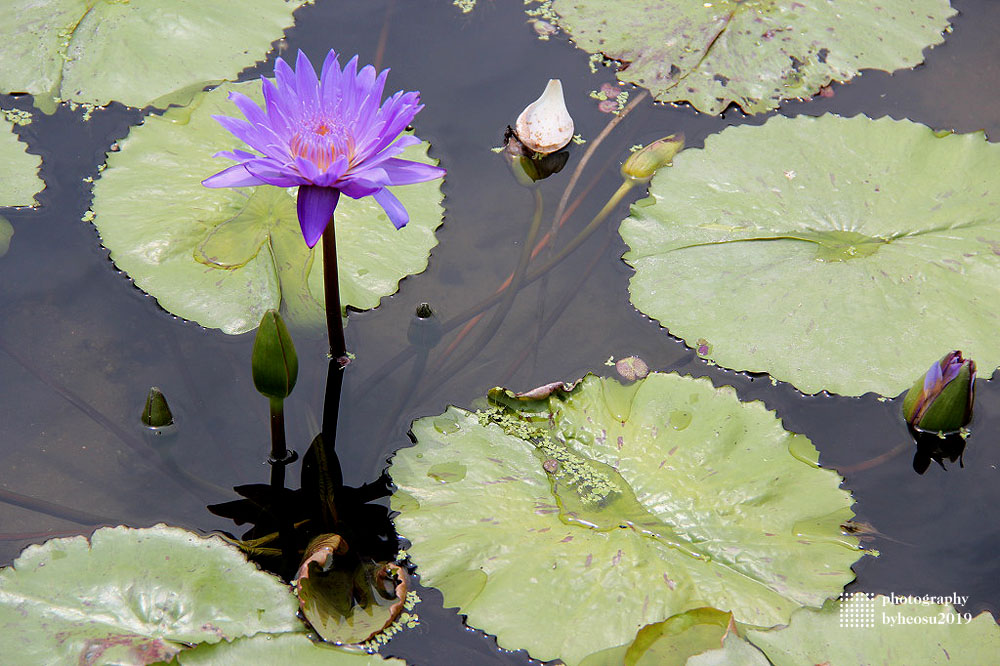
column 277, row 111
column 308, row 170
column 248, row 108
column 285, row 77
column 330, row 81
column 235, row 176
column 405, row 172
column 346, row 88
column 393, row 208
column 933, row 377
column 315, row 207
column 332, row 175
column 236, row 155
column 274, row 174
column 307, row 83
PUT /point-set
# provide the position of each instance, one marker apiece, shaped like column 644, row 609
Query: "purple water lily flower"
column 327, row 136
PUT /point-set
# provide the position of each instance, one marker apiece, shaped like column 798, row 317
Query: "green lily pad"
column 134, row 596
column 222, row 257
column 907, row 633
column 138, row 52
column 19, row 181
column 281, row 649
column 838, row 254
column 755, row 53
column 566, row 522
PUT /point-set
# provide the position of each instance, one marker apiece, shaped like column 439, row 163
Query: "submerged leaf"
column 134, row 596
column 907, row 633
column 754, row 53
column 569, row 519
column 345, row 600
column 838, row 254
column 19, row 181
column 222, row 257
column 139, row 53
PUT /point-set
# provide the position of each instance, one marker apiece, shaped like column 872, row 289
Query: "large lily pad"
column 139, row 53
column 907, row 633
column 844, row 254
column 19, row 181
column 282, row 649
column 134, row 596
column 222, row 257
column 565, row 523
column 755, row 53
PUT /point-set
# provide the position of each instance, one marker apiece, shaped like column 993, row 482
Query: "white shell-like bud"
column 545, row 125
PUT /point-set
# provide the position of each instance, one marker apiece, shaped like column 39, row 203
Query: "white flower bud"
column 545, row 125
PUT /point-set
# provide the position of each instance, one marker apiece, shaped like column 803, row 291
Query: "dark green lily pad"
column 838, row 254
column 139, row 53
column 222, row 257
column 671, row 642
column 282, row 649
column 566, row 522
column 6, row 233
column 908, row 633
column 134, row 596
column 755, row 53
column 19, row 181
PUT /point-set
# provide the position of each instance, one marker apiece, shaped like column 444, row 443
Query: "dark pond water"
column 80, row 345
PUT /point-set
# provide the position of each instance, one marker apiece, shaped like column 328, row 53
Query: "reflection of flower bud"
column 941, row 400
column 545, row 125
column 643, row 163
column 274, row 362
column 156, row 413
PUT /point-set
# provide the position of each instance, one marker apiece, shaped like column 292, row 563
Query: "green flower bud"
column 274, row 363
column 156, row 413
column 643, row 163
column 425, row 329
column 941, row 400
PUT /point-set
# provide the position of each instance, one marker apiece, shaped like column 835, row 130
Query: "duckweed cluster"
column 406, row 620
column 563, row 465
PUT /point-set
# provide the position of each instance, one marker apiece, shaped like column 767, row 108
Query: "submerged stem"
column 527, row 279
column 331, row 291
column 279, row 451
column 510, row 293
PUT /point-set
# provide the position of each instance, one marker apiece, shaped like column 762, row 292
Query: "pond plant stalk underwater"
column 644, row 333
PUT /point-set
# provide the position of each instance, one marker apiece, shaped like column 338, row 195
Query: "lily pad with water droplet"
column 838, row 254
column 586, row 513
column 134, row 596
column 754, row 53
column 19, row 181
column 222, row 257
column 888, row 633
column 138, row 52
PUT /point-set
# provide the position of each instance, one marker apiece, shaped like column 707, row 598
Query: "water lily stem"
column 331, row 289
column 279, row 451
